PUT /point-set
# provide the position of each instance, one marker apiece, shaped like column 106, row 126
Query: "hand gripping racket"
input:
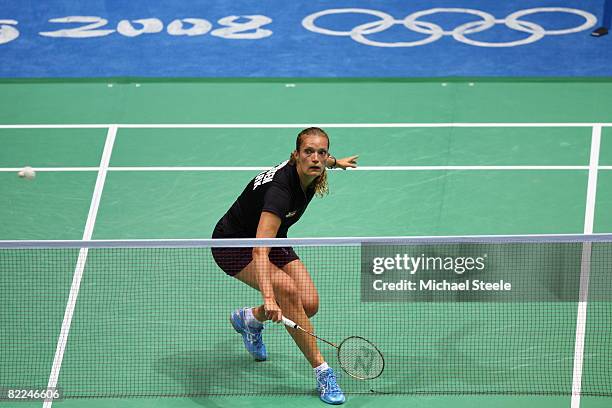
column 358, row 357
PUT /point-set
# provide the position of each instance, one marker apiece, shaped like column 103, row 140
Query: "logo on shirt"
column 290, row 214
column 268, row 175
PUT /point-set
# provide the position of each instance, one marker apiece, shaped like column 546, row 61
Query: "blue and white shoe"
column 328, row 388
column 251, row 336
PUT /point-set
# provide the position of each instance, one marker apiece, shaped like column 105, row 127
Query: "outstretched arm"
column 343, row 164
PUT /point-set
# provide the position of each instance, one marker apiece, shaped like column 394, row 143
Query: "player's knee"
column 311, row 306
column 286, row 290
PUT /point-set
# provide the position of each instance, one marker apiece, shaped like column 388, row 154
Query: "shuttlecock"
column 27, row 172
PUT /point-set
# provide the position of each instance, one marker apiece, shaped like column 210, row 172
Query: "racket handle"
column 290, row 323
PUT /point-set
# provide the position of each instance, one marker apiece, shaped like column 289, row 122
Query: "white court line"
column 80, row 266
column 293, row 125
column 430, row 168
column 16, row 169
column 261, row 168
column 585, row 269
column 192, row 168
column 360, row 168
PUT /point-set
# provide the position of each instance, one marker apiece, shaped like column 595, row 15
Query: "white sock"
column 251, row 320
column 320, row 368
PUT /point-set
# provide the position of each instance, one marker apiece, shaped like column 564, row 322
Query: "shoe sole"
column 333, row 403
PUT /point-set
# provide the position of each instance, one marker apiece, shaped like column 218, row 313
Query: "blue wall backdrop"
column 276, row 38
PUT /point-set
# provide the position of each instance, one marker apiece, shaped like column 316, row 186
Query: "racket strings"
column 360, row 358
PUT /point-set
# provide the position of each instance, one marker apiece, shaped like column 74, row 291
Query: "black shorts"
column 233, row 260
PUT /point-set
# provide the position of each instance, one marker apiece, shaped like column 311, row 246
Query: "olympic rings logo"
column 412, row 22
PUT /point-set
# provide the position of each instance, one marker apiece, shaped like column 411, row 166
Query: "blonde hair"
column 320, row 183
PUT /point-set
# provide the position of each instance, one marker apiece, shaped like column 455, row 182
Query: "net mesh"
column 154, row 322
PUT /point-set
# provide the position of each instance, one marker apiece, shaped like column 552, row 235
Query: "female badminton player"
column 270, row 204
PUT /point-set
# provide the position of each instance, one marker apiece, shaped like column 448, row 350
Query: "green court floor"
column 436, row 158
